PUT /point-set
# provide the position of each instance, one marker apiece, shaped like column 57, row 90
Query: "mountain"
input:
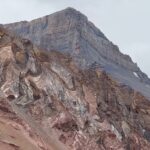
column 71, row 89
column 69, row 31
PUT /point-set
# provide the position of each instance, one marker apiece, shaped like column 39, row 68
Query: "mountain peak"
column 47, row 102
column 77, row 92
column 71, row 9
column 69, row 31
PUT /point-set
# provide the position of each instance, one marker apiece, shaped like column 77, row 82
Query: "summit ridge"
column 69, row 31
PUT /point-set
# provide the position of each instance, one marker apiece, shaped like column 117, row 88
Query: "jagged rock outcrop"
column 69, row 31
column 65, row 106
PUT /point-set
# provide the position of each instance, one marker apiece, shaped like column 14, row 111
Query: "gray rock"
column 69, row 31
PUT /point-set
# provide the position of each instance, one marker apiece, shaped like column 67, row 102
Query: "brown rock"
column 47, row 101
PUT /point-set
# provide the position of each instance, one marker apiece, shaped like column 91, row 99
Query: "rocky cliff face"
column 74, row 94
column 69, row 31
column 47, row 102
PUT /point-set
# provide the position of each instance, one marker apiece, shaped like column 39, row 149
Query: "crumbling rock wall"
column 70, row 108
column 69, row 31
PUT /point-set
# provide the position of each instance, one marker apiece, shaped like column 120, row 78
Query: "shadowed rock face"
column 47, row 102
column 69, row 31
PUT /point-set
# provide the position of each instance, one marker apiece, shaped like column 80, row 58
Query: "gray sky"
column 125, row 22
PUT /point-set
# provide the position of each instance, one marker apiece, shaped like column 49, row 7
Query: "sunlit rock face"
column 47, row 102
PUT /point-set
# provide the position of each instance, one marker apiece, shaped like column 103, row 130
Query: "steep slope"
column 64, row 106
column 15, row 133
column 69, row 31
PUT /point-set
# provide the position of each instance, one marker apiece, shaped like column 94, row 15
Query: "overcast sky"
column 125, row 22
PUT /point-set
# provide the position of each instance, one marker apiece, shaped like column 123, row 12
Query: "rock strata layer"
column 69, row 31
column 48, row 102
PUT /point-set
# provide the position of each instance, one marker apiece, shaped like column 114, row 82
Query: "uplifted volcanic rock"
column 69, row 31
column 52, row 100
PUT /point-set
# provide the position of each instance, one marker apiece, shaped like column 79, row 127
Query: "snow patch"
column 135, row 74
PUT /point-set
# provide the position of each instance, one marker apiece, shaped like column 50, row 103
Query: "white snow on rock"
column 135, row 74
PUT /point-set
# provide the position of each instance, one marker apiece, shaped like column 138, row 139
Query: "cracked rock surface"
column 69, row 31
column 47, row 102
